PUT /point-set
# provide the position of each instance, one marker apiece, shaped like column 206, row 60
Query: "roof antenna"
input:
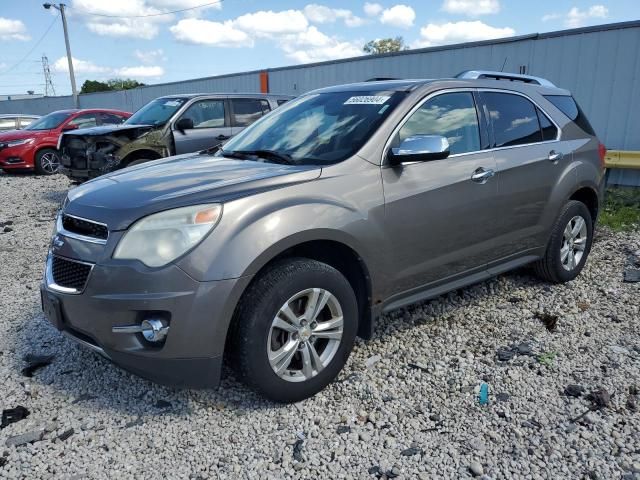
column 503, row 65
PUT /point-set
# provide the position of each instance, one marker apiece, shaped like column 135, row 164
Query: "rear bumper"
column 198, row 314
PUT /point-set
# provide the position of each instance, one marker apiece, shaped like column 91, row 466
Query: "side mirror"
column 184, row 124
column 69, row 126
column 419, row 148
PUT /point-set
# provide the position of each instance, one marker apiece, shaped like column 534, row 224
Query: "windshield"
column 322, row 128
column 156, row 112
column 53, row 120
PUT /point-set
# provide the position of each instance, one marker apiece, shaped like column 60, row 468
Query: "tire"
column 259, row 347
column 556, row 265
column 47, row 161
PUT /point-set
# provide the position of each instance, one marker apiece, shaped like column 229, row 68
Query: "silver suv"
column 345, row 203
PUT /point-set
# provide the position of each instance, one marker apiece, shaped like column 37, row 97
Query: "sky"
column 143, row 40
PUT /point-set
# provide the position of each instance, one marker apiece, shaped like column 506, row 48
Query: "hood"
column 109, row 129
column 20, row 134
column 120, row 198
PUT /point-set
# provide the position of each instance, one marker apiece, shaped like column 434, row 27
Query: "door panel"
column 441, row 221
column 526, row 172
column 210, row 126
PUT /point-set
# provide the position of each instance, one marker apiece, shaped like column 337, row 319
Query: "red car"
column 36, row 146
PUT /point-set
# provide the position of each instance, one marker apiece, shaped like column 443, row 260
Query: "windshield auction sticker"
column 367, row 100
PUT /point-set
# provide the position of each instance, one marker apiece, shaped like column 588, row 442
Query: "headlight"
column 22, row 141
column 162, row 237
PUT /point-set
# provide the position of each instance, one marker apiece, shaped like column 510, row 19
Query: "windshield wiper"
column 273, row 155
column 210, row 150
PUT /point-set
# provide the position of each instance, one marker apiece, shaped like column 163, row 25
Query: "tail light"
column 602, row 152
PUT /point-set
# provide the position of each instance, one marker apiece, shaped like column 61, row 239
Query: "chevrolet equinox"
column 276, row 250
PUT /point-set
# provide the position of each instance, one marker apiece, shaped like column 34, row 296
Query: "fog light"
column 154, row 330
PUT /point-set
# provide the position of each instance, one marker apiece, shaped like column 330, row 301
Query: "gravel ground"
column 406, row 405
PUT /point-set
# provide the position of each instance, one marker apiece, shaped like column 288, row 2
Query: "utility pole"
column 48, row 81
column 60, row 7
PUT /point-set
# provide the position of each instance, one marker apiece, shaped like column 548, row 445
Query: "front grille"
column 84, row 227
column 69, row 274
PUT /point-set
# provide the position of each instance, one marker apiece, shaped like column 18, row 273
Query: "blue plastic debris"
column 483, row 397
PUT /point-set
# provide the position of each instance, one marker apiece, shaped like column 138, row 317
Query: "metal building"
column 600, row 65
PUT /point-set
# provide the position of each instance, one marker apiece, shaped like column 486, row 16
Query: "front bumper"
column 80, row 174
column 198, row 314
column 15, row 158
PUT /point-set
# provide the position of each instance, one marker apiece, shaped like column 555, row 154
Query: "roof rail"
column 514, row 77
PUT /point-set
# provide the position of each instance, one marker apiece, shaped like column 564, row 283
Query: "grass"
column 621, row 209
column 547, row 358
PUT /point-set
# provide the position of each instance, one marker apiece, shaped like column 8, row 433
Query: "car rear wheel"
column 47, row 161
column 569, row 246
column 295, row 329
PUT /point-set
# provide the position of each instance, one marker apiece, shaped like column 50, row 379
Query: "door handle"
column 481, row 175
column 223, row 137
column 555, row 156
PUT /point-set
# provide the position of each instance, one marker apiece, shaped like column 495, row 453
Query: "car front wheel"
column 47, row 161
column 296, row 327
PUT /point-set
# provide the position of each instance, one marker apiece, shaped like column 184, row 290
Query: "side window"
column 452, row 115
column 7, row 123
column 25, row 122
column 549, row 130
column 281, row 101
column 86, row 120
column 567, row 105
column 514, row 119
column 111, row 119
column 246, row 111
column 206, row 114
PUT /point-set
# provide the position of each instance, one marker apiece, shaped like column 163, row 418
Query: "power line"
column 32, row 48
column 151, row 14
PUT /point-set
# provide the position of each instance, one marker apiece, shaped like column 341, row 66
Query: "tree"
column 92, row 86
column 384, row 45
column 123, row 84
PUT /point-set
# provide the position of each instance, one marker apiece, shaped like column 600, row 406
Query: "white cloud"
column 576, row 17
column 471, row 8
column 215, row 34
column 79, row 66
column 129, row 28
column 84, row 67
column 150, row 56
column 398, row 16
column 314, row 46
column 267, row 23
column 321, row 14
column 459, row 32
column 372, row 9
column 289, row 29
column 140, row 71
column 13, row 30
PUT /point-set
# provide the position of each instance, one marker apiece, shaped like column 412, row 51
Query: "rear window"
column 514, row 119
column 567, row 105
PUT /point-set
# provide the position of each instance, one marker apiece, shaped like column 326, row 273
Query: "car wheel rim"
column 49, row 162
column 305, row 335
column 574, row 242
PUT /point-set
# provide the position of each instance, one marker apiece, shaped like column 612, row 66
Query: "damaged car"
column 166, row 126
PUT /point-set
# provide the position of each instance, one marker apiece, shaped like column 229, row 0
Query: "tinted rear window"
column 514, row 119
column 567, row 105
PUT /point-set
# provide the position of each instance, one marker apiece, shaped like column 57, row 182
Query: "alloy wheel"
column 50, row 162
column 574, row 242
column 305, row 335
